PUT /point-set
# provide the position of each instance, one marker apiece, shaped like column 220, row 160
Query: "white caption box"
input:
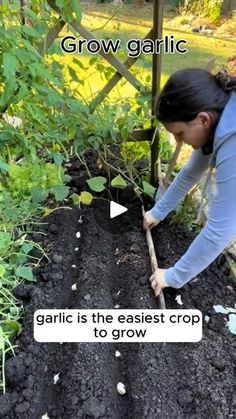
column 118, row 325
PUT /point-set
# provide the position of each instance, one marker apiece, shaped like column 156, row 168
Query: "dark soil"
column 166, row 381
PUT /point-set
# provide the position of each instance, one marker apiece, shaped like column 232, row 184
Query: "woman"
column 199, row 109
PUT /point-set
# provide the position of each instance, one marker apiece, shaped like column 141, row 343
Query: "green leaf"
column 60, row 192
column 77, row 10
column 57, row 157
column 97, row 184
column 13, row 326
column 38, row 194
column 18, row 259
column 4, row 167
column 13, row 311
column 2, row 271
column 74, row 76
column 148, row 189
column 59, row 3
column 5, row 241
column 9, row 65
column 27, row 247
column 25, row 272
column 75, row 198
column 52, row 98
column 93, row 60
column 125, row 133
column 79, row 63
column 86, row 198
column 118, row 182
column 8, row 95
column 29, row 13
column 73, row 73
column 30, row 31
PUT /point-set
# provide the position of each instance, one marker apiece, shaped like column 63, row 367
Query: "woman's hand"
column 149, row 221
column 158, row 281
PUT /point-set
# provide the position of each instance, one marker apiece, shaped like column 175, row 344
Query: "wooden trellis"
column 122, row 71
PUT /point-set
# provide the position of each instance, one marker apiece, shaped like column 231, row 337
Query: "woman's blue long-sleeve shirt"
column 220, row 227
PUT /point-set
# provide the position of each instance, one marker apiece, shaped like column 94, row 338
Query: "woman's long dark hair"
column 193, row 90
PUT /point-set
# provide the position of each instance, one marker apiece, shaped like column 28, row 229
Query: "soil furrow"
column 89, row 373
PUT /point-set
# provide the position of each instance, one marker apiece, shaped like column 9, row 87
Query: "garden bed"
column 112, row 267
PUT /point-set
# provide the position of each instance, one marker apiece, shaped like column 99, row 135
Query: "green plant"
column 165, row 148
column 36, row 180
column 16, row 265
column 210, row 8
column 15, row 213
column 186, row 212
column 33, row 85
column 8, row 329
column 98, row 184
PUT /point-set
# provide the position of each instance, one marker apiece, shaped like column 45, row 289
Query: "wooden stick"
column 153, row 258
column 164, row 180
column 172, row 162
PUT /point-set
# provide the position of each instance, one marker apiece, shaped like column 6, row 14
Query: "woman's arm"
column 189, row 175
column 221, row 225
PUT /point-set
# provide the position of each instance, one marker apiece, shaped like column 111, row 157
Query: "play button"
column 116, row 209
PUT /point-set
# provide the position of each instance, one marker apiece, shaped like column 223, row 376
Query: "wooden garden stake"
column 172, row 162
column 153, row 258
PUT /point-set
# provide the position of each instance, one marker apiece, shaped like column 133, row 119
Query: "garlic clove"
column 121, row 389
